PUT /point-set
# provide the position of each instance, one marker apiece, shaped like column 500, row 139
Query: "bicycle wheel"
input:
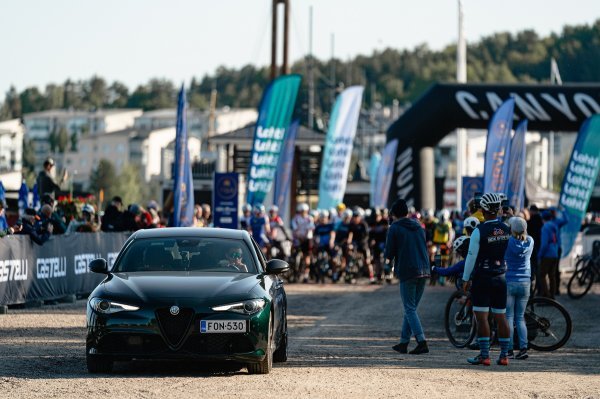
column 580, row 283
column 549, row 324
column 459, row 320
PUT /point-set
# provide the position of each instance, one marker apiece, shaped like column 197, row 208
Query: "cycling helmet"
column 358, row 211
column 491, row 202
column 247, row 208
column 444, row 215
column 347, row 214
column 324, row 213
column 471, row 222
column 427, row 213
column 333, row 212
column 341, row 207
column 88, row 208
column 314, row 213
column 273, row 208
column 461, row 245
column 259, row 208
column 303, row 207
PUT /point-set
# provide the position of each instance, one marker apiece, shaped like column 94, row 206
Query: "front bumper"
column 147, row 334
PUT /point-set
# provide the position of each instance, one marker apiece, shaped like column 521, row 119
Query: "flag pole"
column 461, row 134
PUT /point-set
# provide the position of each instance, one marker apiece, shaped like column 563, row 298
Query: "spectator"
column 406, row 245
column 206, row 215
column 53, row 216
column 45, row 181
column 113, row 217
column 39, row 235
column 198, row 219
column 548, row 256
column 132, row 218
column 86, row 223
column 559, row 221
column 3, row 221
column 534, row 229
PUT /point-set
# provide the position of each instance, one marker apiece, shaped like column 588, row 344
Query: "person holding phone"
column 45, row 181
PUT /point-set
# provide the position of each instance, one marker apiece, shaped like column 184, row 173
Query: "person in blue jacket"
column 406, row 246
column 548, row 256
column 460, row 246
column 518, row 282
column 560, row 219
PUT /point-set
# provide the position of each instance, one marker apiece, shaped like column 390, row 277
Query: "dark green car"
column 186, row 293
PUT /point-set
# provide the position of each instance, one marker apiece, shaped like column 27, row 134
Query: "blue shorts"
column 489, row 293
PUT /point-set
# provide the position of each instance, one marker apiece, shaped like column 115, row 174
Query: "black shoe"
column 474, row 346
column 510, row 354
column 402, row 348
column 420, row 348
column 522, row 355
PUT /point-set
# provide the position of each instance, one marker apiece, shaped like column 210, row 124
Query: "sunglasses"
column 236, row 255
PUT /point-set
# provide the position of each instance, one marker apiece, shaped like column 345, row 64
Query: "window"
column 187, row 254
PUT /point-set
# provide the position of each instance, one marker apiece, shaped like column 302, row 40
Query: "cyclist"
column 469, row 225
column 442, row 241
column 260, row 227
column 377, row 236
column 278, row 234
column 474, row 207
column 325, row 239
column 359, row 239
column 342, row 232
column 486, row 266
column 246, row 216
column 303, row 226
column 460, row 246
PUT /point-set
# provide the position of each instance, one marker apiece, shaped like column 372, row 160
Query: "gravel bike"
column 587, row 271
column 548, row 323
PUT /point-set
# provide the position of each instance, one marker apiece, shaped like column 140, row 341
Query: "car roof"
column 201, row 232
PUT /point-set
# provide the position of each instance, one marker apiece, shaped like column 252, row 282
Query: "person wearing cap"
column 28, row 220
column 406, row 248
column 548, row 256
column 45, row 181
column 518, row 282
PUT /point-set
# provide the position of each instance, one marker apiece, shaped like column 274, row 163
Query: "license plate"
column 223, row 326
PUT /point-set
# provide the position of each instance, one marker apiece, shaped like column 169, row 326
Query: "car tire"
column 281, row 354
column 266, row 365
column 98, row 364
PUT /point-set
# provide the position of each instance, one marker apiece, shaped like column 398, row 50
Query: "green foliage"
column 62, row 140
column 103, row 177
column 28, row 155
column 388, row 75
column 129, row 185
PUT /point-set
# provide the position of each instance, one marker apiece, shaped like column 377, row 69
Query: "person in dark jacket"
column 38, row 235
column 534, row 229
column 113, row 217
column 548, row 256
column 45, row 181
column 406, row 246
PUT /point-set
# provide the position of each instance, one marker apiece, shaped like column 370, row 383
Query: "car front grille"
column 142, row 344
column 174, row 328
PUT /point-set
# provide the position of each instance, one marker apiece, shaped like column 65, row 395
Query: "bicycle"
column 549, row 324
column 587, row 271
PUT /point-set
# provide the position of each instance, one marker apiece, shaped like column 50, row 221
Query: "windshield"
column 187, row 254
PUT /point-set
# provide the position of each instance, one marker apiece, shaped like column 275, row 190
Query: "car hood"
column 159, row 285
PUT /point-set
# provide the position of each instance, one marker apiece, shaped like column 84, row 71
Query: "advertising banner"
column 283, row 180
column 580, row 178
column 497, row 150
column 516, row 177
column 373, row 168
column 383, row 178
column 58, row 268
column 470, row 186
column 226, row 200
column 274, row 116
column 183, row 210
column 338, row 147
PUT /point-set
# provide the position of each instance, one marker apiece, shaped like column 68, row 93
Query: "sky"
column 134, row 40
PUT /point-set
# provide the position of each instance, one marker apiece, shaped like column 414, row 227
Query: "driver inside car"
column 234, row 260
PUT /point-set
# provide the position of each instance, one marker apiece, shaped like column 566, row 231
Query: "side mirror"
column 277, row 266
column 99, row 266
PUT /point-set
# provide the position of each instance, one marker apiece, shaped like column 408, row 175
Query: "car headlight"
column 250, row 306
column 105, row 306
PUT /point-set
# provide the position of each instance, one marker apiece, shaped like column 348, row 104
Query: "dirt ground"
column 340, row 347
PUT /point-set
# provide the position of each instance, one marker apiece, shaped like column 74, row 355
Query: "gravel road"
column 340, row 347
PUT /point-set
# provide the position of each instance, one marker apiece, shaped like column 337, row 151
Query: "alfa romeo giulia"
column 187, row 293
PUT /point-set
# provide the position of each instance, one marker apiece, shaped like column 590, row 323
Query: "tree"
column 130, row 185
column 28, row 155
column 103, row 177
column 74, row 139
column 62, row 140
column 118, row 95
column 11, row 108
column 95, row 93
column 53, row 140
column 53, row 96
column 32, row 100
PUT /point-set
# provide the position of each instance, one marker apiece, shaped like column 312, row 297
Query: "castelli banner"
column 338, row 147
column 274, row 116
column 497, row 150
column 579, row 180
column 59, row 267
column 516, row 174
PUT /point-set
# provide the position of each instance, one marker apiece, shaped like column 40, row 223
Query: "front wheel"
column 459, row 320
column 549, row 325
column 266, row 365
column 580, row 283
